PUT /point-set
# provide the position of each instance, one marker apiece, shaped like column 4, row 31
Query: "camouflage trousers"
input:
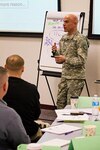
column 68, row 88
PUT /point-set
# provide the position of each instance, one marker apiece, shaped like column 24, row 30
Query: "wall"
column 29, row 49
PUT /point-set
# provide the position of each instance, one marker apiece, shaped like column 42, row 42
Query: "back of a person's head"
column 3, row 73
column 3, row 81
column 14, row 62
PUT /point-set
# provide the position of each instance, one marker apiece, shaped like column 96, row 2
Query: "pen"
column 70, row 121
column 69, row 132
column 87, row 113
column 77, row 113
column 60, row 121
column 74, row 114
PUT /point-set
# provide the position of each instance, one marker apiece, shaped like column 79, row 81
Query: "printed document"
column 61, row 129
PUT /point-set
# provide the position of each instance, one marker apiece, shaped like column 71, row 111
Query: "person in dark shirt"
column 12, row 132
column 23, row 97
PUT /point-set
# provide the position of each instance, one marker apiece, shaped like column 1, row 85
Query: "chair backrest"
column 22, row 147
column 85, row 102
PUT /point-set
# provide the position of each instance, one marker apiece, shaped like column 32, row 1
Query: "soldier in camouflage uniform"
column 72, row 53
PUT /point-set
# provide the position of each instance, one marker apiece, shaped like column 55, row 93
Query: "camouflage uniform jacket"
column 75, row 49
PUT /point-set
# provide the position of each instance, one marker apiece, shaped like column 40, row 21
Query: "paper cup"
column 74, row 102
column 90, row 130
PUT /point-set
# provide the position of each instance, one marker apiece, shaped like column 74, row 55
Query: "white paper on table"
column 61, row 129
column 56, row 142
column 64, row 117
column 68, row 111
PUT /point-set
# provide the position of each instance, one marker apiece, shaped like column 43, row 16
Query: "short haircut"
column 3, row 73
column 14, row 62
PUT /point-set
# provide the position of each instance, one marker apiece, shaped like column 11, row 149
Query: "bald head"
column 14, row 62
column 15, row 65
column 70, row 23
column 73, row 18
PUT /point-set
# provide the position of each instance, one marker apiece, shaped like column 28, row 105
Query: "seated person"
column 12, row 132
column 23, row 97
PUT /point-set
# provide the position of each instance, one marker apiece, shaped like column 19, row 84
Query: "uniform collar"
column 3, row 102
column 72, row 36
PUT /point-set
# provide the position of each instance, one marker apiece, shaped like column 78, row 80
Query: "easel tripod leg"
column 50, row 92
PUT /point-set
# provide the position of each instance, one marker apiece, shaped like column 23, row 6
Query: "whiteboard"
column 53, row 31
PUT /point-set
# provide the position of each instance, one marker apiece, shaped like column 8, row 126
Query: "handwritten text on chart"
column 48, row 41
column 55, row 22
column 54, row 32
column 53, row 36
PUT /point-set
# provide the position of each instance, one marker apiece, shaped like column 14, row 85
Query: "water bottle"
column 95, row 108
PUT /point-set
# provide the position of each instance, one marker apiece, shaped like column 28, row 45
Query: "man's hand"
column 54, row 47
column 60, row 59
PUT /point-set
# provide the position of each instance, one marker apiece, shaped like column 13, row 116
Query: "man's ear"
column 4, row 86
column 23, row 69
column 5, row 66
